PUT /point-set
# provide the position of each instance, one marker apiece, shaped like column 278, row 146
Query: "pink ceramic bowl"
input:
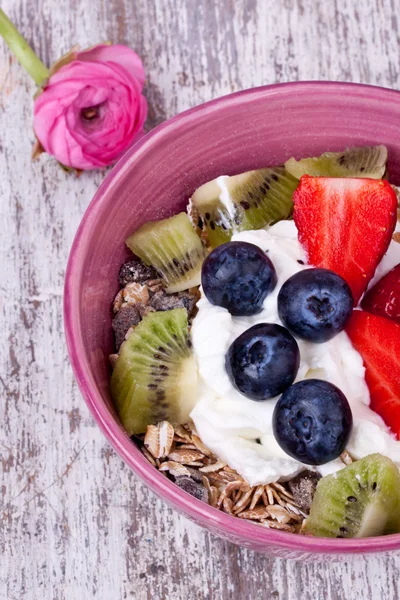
column 247, row 130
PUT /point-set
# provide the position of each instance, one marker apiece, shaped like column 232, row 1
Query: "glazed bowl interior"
column 247, row 130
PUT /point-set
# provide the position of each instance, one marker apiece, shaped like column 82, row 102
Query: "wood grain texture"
column 74, row 521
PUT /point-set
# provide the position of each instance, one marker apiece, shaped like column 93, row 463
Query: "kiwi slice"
column 250, row 200
column 155, row 375
column 173, row 248
column 367, row 161
column 362, row 500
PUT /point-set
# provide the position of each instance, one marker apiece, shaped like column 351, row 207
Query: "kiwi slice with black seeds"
column 155, row 376
column 173, row 248
column 362, row 500
column 367, row 161
column 250, row 200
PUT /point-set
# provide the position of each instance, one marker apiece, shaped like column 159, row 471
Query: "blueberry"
column 238, row 276
column 312, row 421
column 263, row 361
column 315, row 304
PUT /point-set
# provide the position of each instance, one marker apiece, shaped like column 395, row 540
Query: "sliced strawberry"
column 384, row 298
column 345, row 225
column 378, row 341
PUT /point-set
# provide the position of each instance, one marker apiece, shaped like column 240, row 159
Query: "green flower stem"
column 24, row 53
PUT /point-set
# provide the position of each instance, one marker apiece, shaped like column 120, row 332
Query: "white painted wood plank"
column 74, row 522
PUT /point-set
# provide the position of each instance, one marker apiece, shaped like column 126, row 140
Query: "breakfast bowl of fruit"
column 232, row 314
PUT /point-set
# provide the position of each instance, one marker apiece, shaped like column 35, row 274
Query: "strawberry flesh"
column 378, row 341
column 345, row 225
column 384, row 298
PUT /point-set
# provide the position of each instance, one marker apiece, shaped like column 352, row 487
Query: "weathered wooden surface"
column 74, row 522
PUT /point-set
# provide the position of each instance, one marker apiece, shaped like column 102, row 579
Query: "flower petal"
column 118, row 53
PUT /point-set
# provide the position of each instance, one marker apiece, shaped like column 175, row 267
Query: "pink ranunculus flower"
column 91, row 108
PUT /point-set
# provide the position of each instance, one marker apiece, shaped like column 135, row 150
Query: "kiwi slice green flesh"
column 173, row 248
column 362, row 500
column 367, row 161
column 155, row 376
column 250, row 200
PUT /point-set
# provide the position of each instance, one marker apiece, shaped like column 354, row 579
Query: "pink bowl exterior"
column 154, row 179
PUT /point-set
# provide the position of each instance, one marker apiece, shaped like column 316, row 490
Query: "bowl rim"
column 249, row 533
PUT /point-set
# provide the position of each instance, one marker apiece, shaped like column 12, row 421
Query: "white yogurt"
column 239, row 430
column 390, row 260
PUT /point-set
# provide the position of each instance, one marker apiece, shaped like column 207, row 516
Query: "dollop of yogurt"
column 239, row 430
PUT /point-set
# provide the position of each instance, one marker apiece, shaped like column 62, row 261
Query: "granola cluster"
column 197, row 222
column 179, row 453
column 143, row 292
